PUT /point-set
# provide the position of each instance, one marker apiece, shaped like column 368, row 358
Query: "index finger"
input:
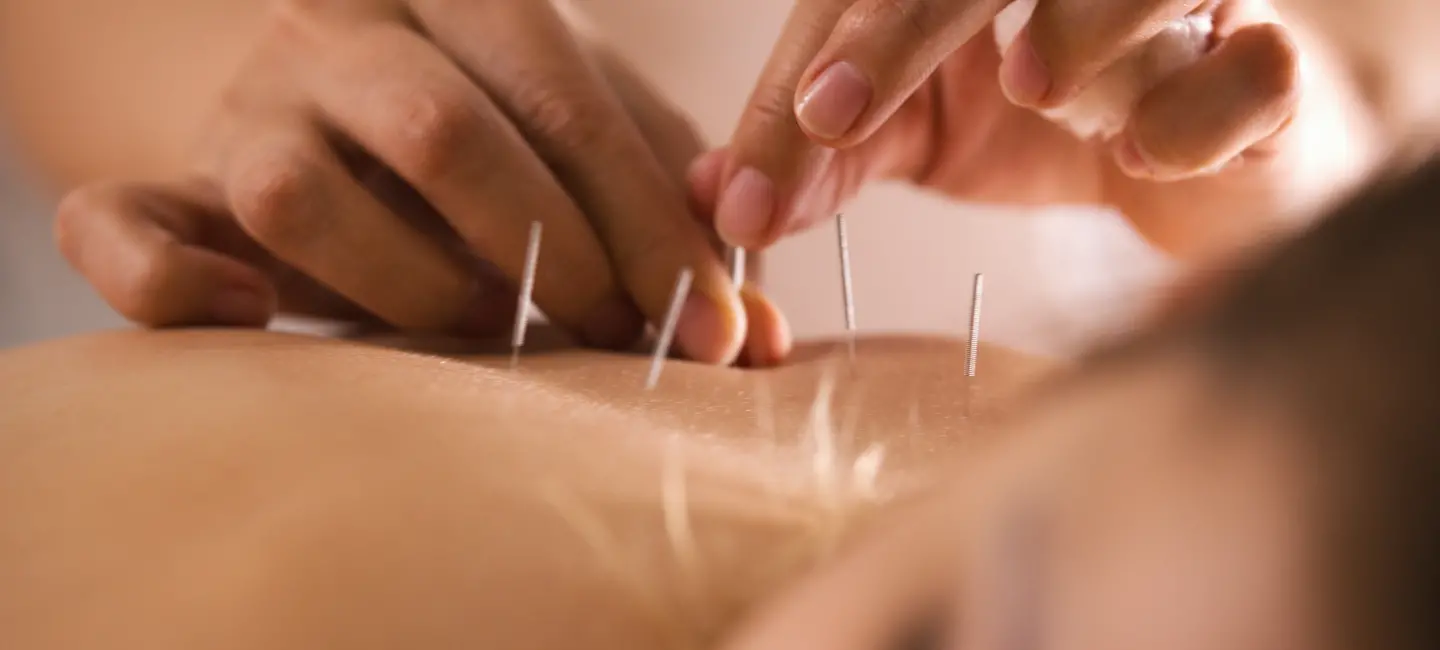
column 773, row 158
column 845, row 67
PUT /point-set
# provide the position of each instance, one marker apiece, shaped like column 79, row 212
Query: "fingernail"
column 1023, row 75
column 1132, row 160
column 702, row 332
column 240, row 307
column 833, row 103
column 614, row 325
column 746, row 208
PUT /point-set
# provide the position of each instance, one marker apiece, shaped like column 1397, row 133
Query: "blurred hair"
column 1339, row 329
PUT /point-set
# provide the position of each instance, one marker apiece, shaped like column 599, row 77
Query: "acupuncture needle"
column 527, row 291
column 667, row 330
column 977, row 296
column 846, row 285
column 737, row 266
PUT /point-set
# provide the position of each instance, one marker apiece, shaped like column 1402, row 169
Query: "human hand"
column 1192, row 118
column 384, row 159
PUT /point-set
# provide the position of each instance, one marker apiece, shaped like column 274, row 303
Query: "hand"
column 1199, row 156
column 384, row 159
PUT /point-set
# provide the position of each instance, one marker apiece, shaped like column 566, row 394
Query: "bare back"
column 227, row 489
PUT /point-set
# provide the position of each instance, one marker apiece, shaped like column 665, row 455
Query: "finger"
column 673, row 140
column 1204, row 116
column 141, row 247
column 1068, row 43
column 703, row 180
column 678, row 147
column 669, row 135
column 292, row 195
column 775, row 163
column 769, row 340
column 880, row 52
column 540, row 76
column 410, row 107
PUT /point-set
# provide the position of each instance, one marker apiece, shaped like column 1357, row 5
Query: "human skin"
column 173, row 253
column 233, row 489
column 378, row 159
column 1126, row 510
column 257, row 490
column 1257, row 471
column 1288, row 106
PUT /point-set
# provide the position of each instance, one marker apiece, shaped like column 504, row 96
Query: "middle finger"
column 414, row 110
column 539, row 75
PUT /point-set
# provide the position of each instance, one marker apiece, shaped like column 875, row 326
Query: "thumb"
column 879, row 54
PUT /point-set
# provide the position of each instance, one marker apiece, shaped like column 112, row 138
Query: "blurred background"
column 40, row 297
column 1054, row 279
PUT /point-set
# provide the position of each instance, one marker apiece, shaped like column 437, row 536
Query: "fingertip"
column 711, row 327
column 746, row 208
column 1202, row 119
column 768, row 339
column 181, row 285
column 1272, row 58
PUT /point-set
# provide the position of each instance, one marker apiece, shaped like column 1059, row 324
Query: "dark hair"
column 1340, row 328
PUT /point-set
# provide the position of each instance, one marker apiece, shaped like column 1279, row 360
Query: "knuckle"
column 912, row 16
column 293, row 21
column 569, row 120
column 432, row 131
column 773, row 104
column 275, row 200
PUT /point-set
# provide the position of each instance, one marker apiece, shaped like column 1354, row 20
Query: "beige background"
column 1053, row 280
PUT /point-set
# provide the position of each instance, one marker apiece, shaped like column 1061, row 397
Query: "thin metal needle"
column 846, row 286
column 667, row 330
column 527, row 290
column 737, row 266
column 977, row 296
